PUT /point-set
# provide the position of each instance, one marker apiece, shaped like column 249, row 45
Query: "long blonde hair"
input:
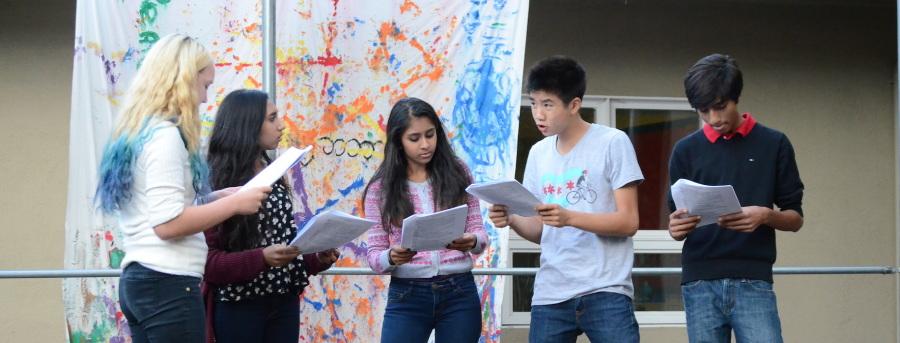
column 164, row 88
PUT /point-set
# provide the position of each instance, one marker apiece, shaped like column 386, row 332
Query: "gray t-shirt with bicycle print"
column 576, row 262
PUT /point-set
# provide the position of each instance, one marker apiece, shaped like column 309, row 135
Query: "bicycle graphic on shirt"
column 582, row 191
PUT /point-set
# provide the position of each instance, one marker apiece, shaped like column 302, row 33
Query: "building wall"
column 36, row 40
column 823, row 74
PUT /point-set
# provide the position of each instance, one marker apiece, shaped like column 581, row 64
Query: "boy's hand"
column 498, row 215
column 553, row 214
column 400, row 255
column 680, row 224
column 464, row 243
column 750, row 218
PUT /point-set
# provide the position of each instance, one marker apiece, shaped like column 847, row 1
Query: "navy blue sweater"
column 762, row 169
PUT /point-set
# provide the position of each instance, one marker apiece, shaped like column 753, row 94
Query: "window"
column 654, row 125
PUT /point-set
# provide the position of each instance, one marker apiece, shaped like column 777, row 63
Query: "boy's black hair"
column 712, row 81
column 559, row 75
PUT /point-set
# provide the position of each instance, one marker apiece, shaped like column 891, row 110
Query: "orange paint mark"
column 345, row 262
column 418, row 46
column 360, row 105
column 409, row 5
column 241, row 66
column 255, row 83
column 327, row 187
column 378, row 283
column 251, row 28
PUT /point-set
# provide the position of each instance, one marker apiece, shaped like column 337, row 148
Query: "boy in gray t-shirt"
column 586, row 176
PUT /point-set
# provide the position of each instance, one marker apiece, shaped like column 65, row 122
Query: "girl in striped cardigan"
column 429, row 290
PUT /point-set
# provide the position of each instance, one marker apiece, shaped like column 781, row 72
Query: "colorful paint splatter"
column 340, row 67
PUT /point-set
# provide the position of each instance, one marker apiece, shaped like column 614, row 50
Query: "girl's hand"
column 249, row 201
column 465, row 243
column 399, row 256
column 498, row 215
column 279, row 255
column 224, row 192
column 328, row 257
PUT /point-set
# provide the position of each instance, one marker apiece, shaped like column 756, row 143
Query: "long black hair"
column 234, row 151
column 446, row 173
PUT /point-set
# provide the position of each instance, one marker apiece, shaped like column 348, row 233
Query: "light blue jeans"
column 716, row 307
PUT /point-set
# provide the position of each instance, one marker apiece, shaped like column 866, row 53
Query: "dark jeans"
column 271, row 319
column 448, row 305
column 161, row 307
column 602, row 316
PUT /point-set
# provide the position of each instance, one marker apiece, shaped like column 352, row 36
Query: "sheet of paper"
column 708, row 202
column 277, row 169
column 511, row 193
column 328, row 230
column 424, row 232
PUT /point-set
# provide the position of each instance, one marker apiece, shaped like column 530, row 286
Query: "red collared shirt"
column 744, row 129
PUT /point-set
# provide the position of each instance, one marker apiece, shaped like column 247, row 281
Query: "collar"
column 744, row 129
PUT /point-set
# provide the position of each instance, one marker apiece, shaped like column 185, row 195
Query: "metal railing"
column 89, row 273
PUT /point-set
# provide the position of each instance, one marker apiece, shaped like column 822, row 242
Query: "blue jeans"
column 448, row 305
column 161, row 307
column 715, row 307
column 273, row 318
column 602, row 316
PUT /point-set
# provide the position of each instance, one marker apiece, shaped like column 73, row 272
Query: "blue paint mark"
column 357, row 184
column 483, row 114
column 316, row 305
column 394, row 63
column 328, row 203
column 333, row 90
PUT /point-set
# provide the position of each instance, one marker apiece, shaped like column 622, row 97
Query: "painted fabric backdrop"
column 340, row 67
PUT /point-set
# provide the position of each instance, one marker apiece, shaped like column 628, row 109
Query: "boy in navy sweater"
column 727, row 266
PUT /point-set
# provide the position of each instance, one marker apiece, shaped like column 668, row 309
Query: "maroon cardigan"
column 224, row 268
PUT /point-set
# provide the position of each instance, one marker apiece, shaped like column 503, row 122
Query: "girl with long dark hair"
column 253, row 278
column 432, row 290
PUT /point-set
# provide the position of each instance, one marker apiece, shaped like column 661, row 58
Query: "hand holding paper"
column 424, row 232
column 329, row 230
column 510, row 193
column 277, row 169
column 708, row 202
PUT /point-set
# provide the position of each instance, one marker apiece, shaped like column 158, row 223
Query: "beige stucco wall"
column 36, row 40
column 822, row 74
